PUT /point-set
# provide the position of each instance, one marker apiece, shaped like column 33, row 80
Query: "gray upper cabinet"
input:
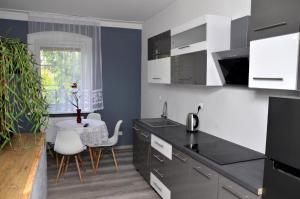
column 230, row 190
column 159, row 46
column 203, row 181
column 184, row 39
column 271, row 18
column 189, row 68
column 141, row 151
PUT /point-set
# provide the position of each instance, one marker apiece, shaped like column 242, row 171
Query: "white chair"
column 94, row 116
column 68, row 143
column 110, row 143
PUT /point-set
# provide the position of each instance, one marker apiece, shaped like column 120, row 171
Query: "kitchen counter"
column 248, row 174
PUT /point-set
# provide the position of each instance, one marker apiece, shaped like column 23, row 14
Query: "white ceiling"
column 127, row 10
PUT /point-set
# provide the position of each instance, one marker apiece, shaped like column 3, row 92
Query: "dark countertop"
column 248, row 174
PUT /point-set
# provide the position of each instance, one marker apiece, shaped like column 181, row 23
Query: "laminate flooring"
column 105, row 184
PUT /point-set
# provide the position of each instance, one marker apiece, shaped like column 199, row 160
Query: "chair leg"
column 78, row 168
column 67, row 164
column 114, row 157
column 80, row 160
column 98, row 160
column 60, row 168
column 92, row 158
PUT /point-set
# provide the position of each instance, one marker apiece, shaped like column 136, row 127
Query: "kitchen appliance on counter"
column 282, row 168
column 233, row 64
column 192, row 121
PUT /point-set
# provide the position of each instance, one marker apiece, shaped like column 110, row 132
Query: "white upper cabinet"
column 208, row 33
column 274, row 62
column 159, row 71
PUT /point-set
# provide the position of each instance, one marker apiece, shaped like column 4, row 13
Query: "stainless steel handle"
column 177, row 155
column 270, row 26
column 198, row 169
column 230, row 190
column 159, row 144
column 183, row 47
column 158, row 158
column 134, row 128
column 156, row 78
column 144, row 135
column 157, row 186
column 158, row 173
column 268, row 78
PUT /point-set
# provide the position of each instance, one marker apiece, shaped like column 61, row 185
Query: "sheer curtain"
column 71, row 38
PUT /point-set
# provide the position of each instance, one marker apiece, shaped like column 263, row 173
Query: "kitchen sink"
column 159, row 122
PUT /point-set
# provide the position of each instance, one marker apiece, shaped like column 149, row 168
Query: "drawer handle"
column 270, row 26
column 158, row 158
column 156, row 78
column 198, row 169
column 159, row 144
column 144, row 135
column 268, row 78
column 178, row 156
column 134, row 128
column 230, row 190
column 183, row 47
column 158, row 173
column 160, row 189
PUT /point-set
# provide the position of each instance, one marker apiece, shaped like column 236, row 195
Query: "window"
column 64, row 58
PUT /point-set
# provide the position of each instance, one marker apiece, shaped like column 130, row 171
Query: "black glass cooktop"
column 224, row 152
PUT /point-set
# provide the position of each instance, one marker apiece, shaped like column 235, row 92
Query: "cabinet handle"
column 158, row 158
column 177, row 155
column 230, row 190
column 134, row 128
column 156, row 78
column 198, row 169
column 270, row 26
column 157, row 186
column 158, row 173
column 159, row 144
column 268, row 78
column 183, row 47
column 144, row 135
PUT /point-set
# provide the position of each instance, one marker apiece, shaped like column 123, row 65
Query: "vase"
column 78, row 115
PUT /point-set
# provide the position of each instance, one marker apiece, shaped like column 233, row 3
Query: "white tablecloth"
column 92, row 135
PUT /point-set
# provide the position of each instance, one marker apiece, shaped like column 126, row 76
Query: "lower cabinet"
column 202, row 181
column 230, row 190
column 141, row 151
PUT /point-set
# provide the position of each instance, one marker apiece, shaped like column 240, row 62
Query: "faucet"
column 165, row 110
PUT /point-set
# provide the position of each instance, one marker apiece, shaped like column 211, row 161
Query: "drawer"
column 159, row 187
column 189, row 48
column 229, row 189
column 161, row 146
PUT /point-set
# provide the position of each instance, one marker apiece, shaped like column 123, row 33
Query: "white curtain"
column 91, row 96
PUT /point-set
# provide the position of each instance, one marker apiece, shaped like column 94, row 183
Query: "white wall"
column 233, row 113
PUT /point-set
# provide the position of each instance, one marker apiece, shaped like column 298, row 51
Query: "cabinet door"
column 274, row 62
column 203, row 181
column 144, row 139
column 159, row 71
column 177, row 175
column 271, row 18
column 230, row 190
column 159, row 46
column 191, row 36
column 189, row 68
column 136, row 147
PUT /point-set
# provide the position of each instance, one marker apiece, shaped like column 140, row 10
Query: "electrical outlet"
column 201, row 105
column 120, row 132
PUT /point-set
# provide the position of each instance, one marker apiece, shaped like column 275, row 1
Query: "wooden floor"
column 106, row 184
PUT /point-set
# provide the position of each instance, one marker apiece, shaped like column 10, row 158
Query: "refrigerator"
column 282, row 167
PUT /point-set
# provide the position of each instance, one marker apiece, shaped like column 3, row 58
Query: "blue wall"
column 121, row 73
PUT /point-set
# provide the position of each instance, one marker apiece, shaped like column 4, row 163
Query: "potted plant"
column 20, row 90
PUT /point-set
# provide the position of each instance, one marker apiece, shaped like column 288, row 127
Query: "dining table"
column 92, row 132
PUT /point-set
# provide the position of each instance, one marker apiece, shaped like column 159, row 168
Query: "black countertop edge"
column 223, row 170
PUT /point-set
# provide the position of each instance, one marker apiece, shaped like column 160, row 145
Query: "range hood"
column 233, row 65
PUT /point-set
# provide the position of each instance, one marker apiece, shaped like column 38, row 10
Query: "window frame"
column 57, row 39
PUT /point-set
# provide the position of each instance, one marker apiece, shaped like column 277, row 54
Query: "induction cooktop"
column 223, row 152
